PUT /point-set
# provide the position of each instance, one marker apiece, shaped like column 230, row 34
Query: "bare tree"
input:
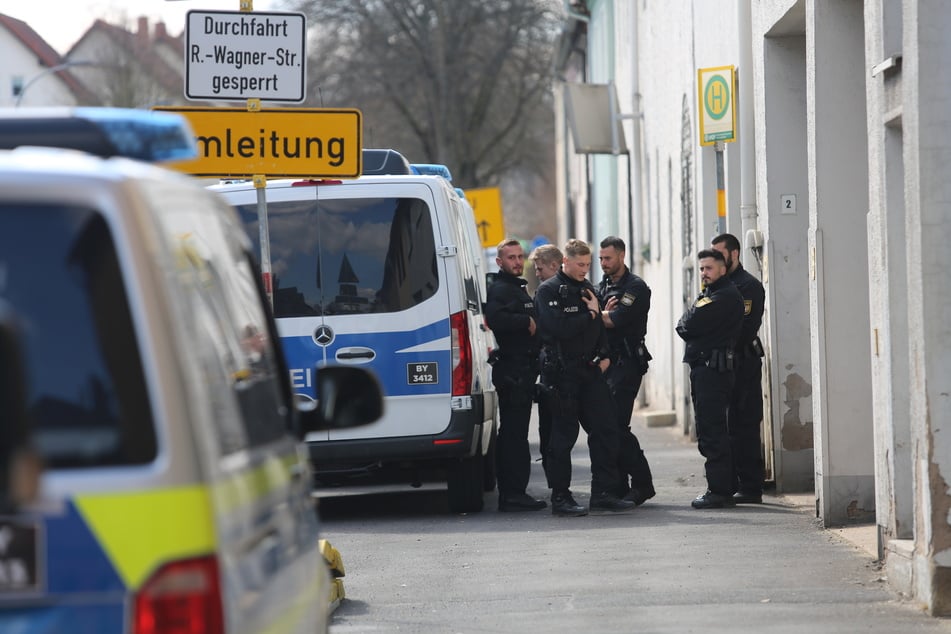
column 465, row 83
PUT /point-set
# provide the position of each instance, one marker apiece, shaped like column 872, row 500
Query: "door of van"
column 358, row 280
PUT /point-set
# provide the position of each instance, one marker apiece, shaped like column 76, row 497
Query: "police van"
column 147, row 382
column 384, row 272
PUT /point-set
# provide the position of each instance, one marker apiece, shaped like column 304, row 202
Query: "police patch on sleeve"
column 703, row 301
column 628, row 299
column 747, row 306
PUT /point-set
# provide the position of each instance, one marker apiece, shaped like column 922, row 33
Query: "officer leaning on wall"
column 746, row 403
column 574, row 356
column 625, row 302
column 710, row 327
column 510, row 313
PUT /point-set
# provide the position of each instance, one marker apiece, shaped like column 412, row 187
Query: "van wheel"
column 488, row 466
column 465, row 480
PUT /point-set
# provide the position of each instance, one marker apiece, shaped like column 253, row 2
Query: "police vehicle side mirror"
column 19, row 465
column 348, row 397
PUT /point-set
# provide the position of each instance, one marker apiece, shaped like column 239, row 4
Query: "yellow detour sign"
column 487, row 206
column 715, row 87
column 278, row 142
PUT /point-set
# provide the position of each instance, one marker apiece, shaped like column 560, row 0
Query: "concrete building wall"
column 838, row 262
column 779, row 43
column 926, row 115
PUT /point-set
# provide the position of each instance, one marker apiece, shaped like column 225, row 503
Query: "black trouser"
column 745, row 419
column 515, row 385
column 624, row 380
column 710, row 393
column 544, row 430
column 582, row 397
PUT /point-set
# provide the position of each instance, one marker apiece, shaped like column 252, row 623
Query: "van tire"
column 488, row 465
column 465, row 482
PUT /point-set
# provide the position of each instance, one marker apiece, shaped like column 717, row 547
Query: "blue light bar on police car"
column 138, row 134
column 432, row 169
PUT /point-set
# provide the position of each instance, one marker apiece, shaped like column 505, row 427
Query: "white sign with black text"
column 239, row 55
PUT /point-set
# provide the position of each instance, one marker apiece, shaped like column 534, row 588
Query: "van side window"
column 229, row 333
column 87, row 396
column 352, row 256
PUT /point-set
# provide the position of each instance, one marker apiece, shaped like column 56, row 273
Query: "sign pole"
column 721, row 189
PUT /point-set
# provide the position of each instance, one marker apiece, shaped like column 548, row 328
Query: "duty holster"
column 756, row 348
column 721, row 360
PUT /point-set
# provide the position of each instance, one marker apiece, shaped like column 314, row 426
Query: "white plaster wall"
column 838, row 167
column 18, row 61
column 666, row 74
column 926, row 118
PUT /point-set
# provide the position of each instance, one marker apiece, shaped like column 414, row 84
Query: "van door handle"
column 355, row 355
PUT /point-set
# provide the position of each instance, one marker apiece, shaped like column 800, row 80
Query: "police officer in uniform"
column 575, row 355
column 746, row 403
column 625, row 301
column 546, row 260
column 710, row 328
column 510, row 313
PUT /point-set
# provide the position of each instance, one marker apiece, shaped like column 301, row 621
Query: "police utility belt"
column 553, row 361
column 719, row 359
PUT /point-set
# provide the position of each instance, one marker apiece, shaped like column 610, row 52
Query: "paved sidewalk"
column 754, row 568
column 663, row 568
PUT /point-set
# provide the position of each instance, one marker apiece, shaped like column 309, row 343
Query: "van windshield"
column 348, row 256
column 87, row 403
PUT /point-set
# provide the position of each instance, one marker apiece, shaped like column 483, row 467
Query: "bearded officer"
column 710, row 328
column 625, row 302
column 510, row 313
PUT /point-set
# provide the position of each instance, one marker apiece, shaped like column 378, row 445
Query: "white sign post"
column 240, row 55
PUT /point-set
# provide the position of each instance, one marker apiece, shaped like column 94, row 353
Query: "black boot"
column 607, row 501
column 562, row 503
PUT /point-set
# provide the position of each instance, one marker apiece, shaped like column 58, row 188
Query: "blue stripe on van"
column 79, row 589
column 390, row 365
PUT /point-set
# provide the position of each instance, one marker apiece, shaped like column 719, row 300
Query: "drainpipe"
column 748, row 219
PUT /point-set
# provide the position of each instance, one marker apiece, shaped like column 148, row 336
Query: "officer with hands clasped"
column 625, row 302
column 510, row 313
column 574, row 356
column 746, row 402
column 710, row 328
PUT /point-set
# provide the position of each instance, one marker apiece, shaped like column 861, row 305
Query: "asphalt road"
column 411, row 566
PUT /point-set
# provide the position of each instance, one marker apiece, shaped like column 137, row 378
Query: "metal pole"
column 721, row 189
column 260, row 185
column 49, row 71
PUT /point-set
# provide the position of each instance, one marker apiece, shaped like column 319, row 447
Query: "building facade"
column 835, row 186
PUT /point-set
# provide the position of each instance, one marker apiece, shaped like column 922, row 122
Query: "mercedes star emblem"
column 324, row 335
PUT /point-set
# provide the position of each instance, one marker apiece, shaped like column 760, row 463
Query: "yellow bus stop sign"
column 487, row 205
column 715, row 87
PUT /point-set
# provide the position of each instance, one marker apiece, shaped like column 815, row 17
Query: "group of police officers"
column 587, row 346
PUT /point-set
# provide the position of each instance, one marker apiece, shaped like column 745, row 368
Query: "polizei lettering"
column 271, row 145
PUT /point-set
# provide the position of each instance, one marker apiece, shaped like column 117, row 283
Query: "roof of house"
column 141, row 47
column 47, row 56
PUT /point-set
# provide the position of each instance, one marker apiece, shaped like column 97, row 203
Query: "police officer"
column 575, row 355
column 625, row 301
column 746, row 403
column 710, row 328
column 510, row 313
column 546, row 260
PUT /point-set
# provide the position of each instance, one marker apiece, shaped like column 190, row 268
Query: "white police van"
column 383, row 272
column 138, row 361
